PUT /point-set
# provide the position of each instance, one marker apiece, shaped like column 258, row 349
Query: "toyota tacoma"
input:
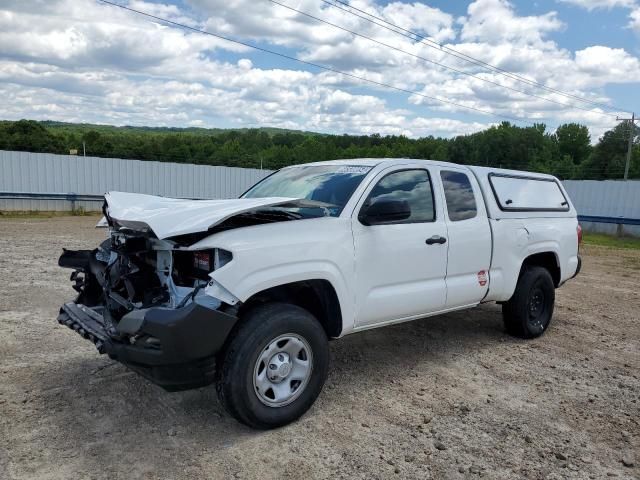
column 246, row 293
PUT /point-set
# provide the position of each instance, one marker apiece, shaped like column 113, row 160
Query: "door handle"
column 435, row 239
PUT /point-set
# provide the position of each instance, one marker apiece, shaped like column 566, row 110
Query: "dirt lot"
column 444, row 398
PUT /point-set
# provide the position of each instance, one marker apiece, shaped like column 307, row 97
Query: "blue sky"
column 83, row 61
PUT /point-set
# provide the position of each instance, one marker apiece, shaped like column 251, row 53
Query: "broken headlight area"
column 142, row 301
column 133, row 272
column 190, row 267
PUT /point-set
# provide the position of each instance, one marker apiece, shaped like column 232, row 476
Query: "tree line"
column 566, row 152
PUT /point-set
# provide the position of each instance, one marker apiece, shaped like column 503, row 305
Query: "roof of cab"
column 478, row 170
column 373, row 162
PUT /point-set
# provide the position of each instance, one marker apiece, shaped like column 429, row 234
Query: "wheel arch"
column 546, row 259
column 317, row 296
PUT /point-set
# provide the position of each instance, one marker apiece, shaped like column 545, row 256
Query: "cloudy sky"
column 84, row 61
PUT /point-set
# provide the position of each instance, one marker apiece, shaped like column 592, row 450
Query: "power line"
column 317, row 65
column 462, row 72
column 450, row 51
column 468, row 58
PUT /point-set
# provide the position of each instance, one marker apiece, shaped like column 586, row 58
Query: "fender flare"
column 277, row 275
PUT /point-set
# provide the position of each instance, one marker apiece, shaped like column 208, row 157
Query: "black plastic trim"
column 579, row 267
column 76, row 259
column 189, row 338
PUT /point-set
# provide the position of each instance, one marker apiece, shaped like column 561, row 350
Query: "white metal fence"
column 47, row 173
column 606, row 198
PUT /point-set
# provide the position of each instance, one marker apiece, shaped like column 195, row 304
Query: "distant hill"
column 195, row 130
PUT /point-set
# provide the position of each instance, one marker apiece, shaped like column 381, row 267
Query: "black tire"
column 528, row 313
column 235, row 374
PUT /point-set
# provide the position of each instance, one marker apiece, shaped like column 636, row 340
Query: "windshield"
column 325, row 187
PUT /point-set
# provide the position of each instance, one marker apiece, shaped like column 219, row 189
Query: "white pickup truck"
column 247, row 292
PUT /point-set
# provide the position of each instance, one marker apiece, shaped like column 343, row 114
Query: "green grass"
column 602, row 240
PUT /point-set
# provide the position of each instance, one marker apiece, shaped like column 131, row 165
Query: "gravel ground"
column 444, row 398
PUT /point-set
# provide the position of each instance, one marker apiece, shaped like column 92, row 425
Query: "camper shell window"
column 528, row 194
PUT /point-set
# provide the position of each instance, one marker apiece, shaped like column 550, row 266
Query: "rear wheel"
column 274, row 367
column 528, row 313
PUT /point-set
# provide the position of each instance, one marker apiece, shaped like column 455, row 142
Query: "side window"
column 413, row 186
column 528, row 194
column 461, row 202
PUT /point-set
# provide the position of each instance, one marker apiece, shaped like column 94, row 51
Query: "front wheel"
column 274, row 367
column 528, row 313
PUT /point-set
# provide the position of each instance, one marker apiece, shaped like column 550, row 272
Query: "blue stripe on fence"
column 603, row 219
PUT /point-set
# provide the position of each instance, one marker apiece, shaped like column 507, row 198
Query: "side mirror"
column 385, row 211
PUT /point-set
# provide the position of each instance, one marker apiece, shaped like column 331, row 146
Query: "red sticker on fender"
column 482, row 278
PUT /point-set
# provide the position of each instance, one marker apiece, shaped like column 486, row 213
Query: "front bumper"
column 185, row 340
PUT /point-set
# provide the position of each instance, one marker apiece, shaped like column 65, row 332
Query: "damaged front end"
column 147, row 303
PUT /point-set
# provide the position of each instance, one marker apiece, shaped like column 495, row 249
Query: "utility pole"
column 632, row 127
column 84, row 150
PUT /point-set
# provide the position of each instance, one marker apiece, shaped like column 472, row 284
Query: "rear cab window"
column 527, row 194
column 458, row 192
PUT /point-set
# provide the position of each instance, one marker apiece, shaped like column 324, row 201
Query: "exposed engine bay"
column 133, row 271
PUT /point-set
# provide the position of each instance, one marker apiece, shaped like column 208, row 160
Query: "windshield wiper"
column 307, row 203
column 271, row 214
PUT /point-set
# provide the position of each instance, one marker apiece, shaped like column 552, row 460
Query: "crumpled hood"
column 168, row 217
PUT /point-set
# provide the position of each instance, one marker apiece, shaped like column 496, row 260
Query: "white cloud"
column 78, row 34
column 266, row 20
column 178, row 103
column 594, row 4
column 634, row 22
column 245, row 64
column 78, row 60
column 495, row 22
column 163, row 10
column 441, row 126
column 419, row 18
column 605, row 65
column 338, row 101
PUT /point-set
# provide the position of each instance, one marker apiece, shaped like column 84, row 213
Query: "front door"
column 401, row 266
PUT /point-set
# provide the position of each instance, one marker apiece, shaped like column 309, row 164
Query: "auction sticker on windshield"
column 353, row 169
